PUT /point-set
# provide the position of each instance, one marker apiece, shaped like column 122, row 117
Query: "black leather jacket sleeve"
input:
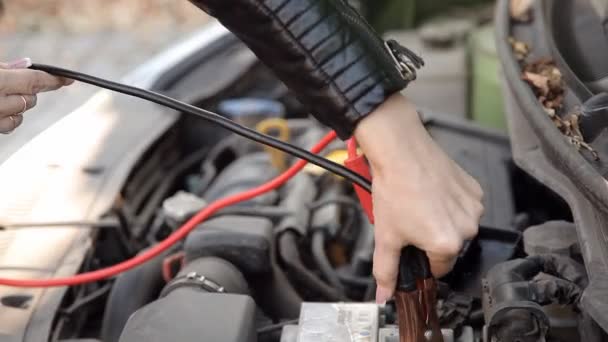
column 324, row 51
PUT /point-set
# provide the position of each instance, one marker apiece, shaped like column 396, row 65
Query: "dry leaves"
column 520, row 49
column 521, row 10
column 548, row 85
column 546, row 81
column 539, row 82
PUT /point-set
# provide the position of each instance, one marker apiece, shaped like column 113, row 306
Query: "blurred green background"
column 457, row 39
column 400, row 14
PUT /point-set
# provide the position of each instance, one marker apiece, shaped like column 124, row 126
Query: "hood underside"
column 540, row 148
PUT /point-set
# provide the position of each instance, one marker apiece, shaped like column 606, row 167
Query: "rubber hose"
column 297, row 193
column 276, row 294
column 288, row 250
column 526, row 269
column 318, row 252
column 353, row 280
column 131, row 291
column 549, row 289
column 220, row 272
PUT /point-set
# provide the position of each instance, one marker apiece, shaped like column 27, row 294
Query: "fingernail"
column 20, row 63
column 382, row 295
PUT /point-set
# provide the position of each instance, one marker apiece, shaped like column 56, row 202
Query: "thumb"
column 386, row 265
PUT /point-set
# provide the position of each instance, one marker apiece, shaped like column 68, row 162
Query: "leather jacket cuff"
column 324, row 51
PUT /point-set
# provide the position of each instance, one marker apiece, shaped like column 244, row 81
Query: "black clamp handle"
column 414, row 266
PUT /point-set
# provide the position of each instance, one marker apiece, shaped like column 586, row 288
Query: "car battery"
column 335, row 322
column 351, row 322
column 390, row 333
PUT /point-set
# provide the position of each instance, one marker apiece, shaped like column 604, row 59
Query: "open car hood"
column 540, row 148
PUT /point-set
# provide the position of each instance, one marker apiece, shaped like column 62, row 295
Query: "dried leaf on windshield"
column 521, row 10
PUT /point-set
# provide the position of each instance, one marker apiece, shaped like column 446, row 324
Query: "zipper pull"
column 406, row 61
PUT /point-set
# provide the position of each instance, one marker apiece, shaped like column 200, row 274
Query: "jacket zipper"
column 404, row 60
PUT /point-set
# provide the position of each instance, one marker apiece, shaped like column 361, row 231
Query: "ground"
column 102, row 37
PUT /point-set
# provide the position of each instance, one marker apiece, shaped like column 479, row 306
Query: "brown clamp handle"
column 416, row 298
column 413, row 266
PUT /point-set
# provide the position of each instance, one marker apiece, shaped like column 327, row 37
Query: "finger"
column 386, row 264
column 471, row 184
column 28, row 82
column 441, row 264
column 16, row 104
column 469, row 194
column 443, row 253
column 67, row 81
column 465, row 213
column 470, row 230
column 9, row 123
column 21, row 63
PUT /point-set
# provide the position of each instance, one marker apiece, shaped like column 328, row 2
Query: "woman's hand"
column 18, row 89
column 421, row 197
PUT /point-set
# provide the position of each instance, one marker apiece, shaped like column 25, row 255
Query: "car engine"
column 295, row 264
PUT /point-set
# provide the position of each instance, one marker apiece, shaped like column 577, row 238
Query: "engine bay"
column 295, row 264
